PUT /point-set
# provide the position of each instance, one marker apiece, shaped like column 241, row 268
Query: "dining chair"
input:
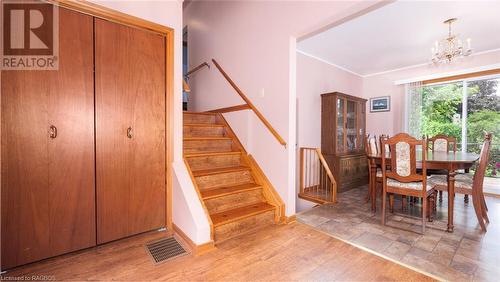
column 384, row 136
column 402, row 177
column 372, row 144
column 442, row 143
column 469, row 184
column 388, row 149
column 371, row 148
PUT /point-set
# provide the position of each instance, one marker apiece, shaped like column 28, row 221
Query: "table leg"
column 373, row 186
column 451, row 198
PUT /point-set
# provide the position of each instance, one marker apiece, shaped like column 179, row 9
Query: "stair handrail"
column 332, row 185
column 197, row 68
column 250, row 104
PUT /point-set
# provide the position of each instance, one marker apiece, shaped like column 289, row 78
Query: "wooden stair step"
column 210, row 154
column 228, row 190
column 233, row 215
column 194, row 154
column 207, row 144
column 212, row 160
column 203, row 138
column 207, row 118
column 224, row 178
column 213, row 171
column 313, row 198
column 200, row 113
column 203, row 125
column 204, row 130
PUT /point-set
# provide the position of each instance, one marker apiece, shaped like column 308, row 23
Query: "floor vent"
column 165, row 249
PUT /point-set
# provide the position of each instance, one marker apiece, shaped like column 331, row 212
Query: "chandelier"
column 450, row 48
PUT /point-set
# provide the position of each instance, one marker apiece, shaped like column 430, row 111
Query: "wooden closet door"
column 48, row 191
column 71, row 153
column 130, row 100
column 25, row 198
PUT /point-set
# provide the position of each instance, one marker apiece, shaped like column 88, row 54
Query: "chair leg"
column 403, row 203
column 466, row 198
column 391, row 203
column 484, row 208
column 484, row 203
column 370, row 184
column 424, row 208
column 430, row 207
column 435, row 200
column 440, row 196
column 384, row 199
column 476, row 201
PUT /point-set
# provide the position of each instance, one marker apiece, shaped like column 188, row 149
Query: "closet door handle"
column 52, row 132
column 130, row 133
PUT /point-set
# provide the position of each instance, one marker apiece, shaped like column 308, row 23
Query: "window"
column 463, row 109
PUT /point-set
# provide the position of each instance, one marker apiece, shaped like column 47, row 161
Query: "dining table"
column 449, row 161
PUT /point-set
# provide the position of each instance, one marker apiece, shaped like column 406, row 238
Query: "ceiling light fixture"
column 450, row 48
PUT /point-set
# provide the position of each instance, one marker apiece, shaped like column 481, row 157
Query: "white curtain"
column 413, row 109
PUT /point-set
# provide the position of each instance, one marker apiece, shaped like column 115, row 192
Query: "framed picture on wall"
column 380, row 104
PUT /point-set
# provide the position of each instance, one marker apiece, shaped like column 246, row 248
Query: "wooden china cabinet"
column 343, row 126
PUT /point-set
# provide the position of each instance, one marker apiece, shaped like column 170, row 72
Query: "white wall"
column 188, row 213
column 315, row 77
column 254, row 41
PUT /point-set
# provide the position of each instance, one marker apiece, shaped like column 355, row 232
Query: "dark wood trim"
column 461, row 76
column 232, row 109
column 347, row 96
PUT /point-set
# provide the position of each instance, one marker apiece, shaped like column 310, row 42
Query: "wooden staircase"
column 236, row 195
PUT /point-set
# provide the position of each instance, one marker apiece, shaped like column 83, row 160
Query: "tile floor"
column 466, row 254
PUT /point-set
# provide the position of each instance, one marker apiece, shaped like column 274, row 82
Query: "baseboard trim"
column 288, row 219
column 196, row 250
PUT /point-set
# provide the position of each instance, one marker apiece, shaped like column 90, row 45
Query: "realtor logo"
column 30, row 31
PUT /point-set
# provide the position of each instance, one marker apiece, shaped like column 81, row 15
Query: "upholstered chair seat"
column 408, row 185
column 461, row 180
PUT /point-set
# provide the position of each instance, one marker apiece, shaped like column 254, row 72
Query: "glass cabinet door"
column 351, row 126
column 361, row 126
column 340, row 125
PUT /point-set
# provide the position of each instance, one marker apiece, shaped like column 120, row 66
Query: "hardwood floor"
column 283, row 252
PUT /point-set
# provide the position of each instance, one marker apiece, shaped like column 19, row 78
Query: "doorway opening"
column 185, row 65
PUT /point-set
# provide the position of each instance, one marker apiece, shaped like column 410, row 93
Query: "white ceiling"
column 402, row 33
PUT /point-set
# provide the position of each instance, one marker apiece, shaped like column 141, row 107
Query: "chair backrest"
column 371, row 145
column 442, row 143
column 483, row 163
column 404, row 159
column 384, row 137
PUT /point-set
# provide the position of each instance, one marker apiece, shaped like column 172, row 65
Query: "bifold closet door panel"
column 48, row 194
column 130, row 130
column 25, row 170
column 71, row 153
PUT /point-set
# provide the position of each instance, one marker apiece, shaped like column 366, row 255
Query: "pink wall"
column 383, row 85
column 255, row 43
column 315, row 77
